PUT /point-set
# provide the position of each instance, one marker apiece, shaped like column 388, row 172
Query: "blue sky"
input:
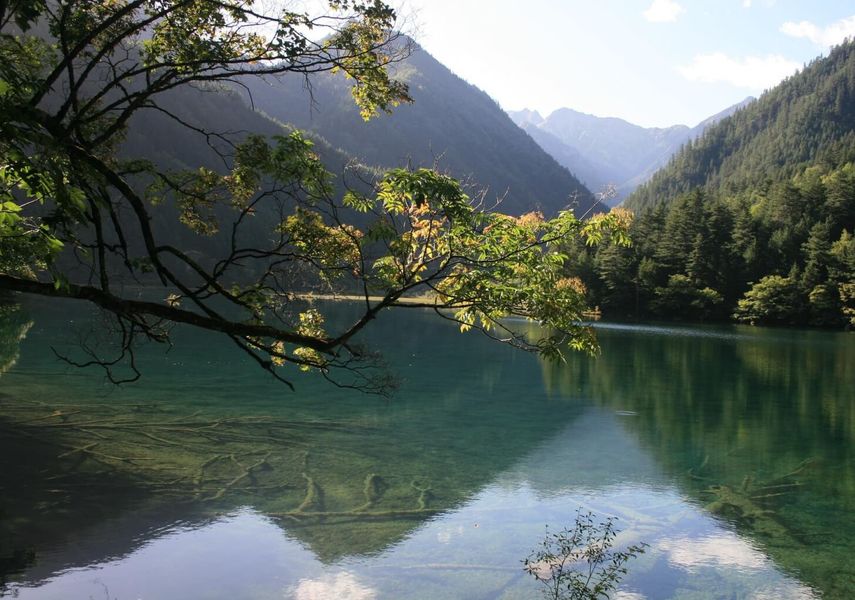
column 651, row 62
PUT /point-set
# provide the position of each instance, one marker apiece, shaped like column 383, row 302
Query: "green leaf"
column 358, row 202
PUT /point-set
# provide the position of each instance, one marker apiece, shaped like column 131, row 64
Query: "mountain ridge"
column 605, row 151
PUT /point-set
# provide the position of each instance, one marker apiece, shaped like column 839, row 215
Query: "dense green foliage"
column 780, row 254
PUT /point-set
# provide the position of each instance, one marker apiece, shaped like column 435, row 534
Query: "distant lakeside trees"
column 782, row 253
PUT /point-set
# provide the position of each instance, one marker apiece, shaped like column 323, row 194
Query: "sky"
column 652, row 62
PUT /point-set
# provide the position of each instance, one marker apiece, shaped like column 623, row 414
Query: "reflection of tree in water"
column 760, row 429
column 14, row 325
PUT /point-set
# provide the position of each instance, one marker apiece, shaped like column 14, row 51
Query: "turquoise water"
column 728, row 450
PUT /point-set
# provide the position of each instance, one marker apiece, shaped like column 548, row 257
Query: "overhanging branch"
column 125, row 306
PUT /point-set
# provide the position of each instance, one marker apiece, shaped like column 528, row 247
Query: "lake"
column 730, row 451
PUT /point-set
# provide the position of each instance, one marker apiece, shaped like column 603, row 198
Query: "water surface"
column 729, row 450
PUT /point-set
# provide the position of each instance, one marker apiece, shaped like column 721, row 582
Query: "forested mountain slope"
column 178, row 141
column 754, row 221
column 451, row 124
column 808, row 119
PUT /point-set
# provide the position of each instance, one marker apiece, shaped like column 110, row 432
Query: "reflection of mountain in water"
column 98, row 469
column 591, row 453
column 760, row 430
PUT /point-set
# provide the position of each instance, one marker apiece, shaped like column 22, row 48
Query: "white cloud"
column 726, row 551
column 663, row 11
column 751, row 72
column 765, row 3
column 821, row 36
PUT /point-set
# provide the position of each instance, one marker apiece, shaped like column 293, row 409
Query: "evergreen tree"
column 696, row 257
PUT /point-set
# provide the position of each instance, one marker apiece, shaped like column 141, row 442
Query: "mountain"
column 451, row 124
column 526, row 116
column 698, row 129
column 809, row 118
column 594, row 174
column 607, row 150
column 751, row 221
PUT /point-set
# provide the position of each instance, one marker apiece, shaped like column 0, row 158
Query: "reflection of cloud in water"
column 629, row 596
column 445, row 535
column 335, row 587
column 713, row 551
column 592, row 452
column 729, row 551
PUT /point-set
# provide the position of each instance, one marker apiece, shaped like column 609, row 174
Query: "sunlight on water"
column 720, row 332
